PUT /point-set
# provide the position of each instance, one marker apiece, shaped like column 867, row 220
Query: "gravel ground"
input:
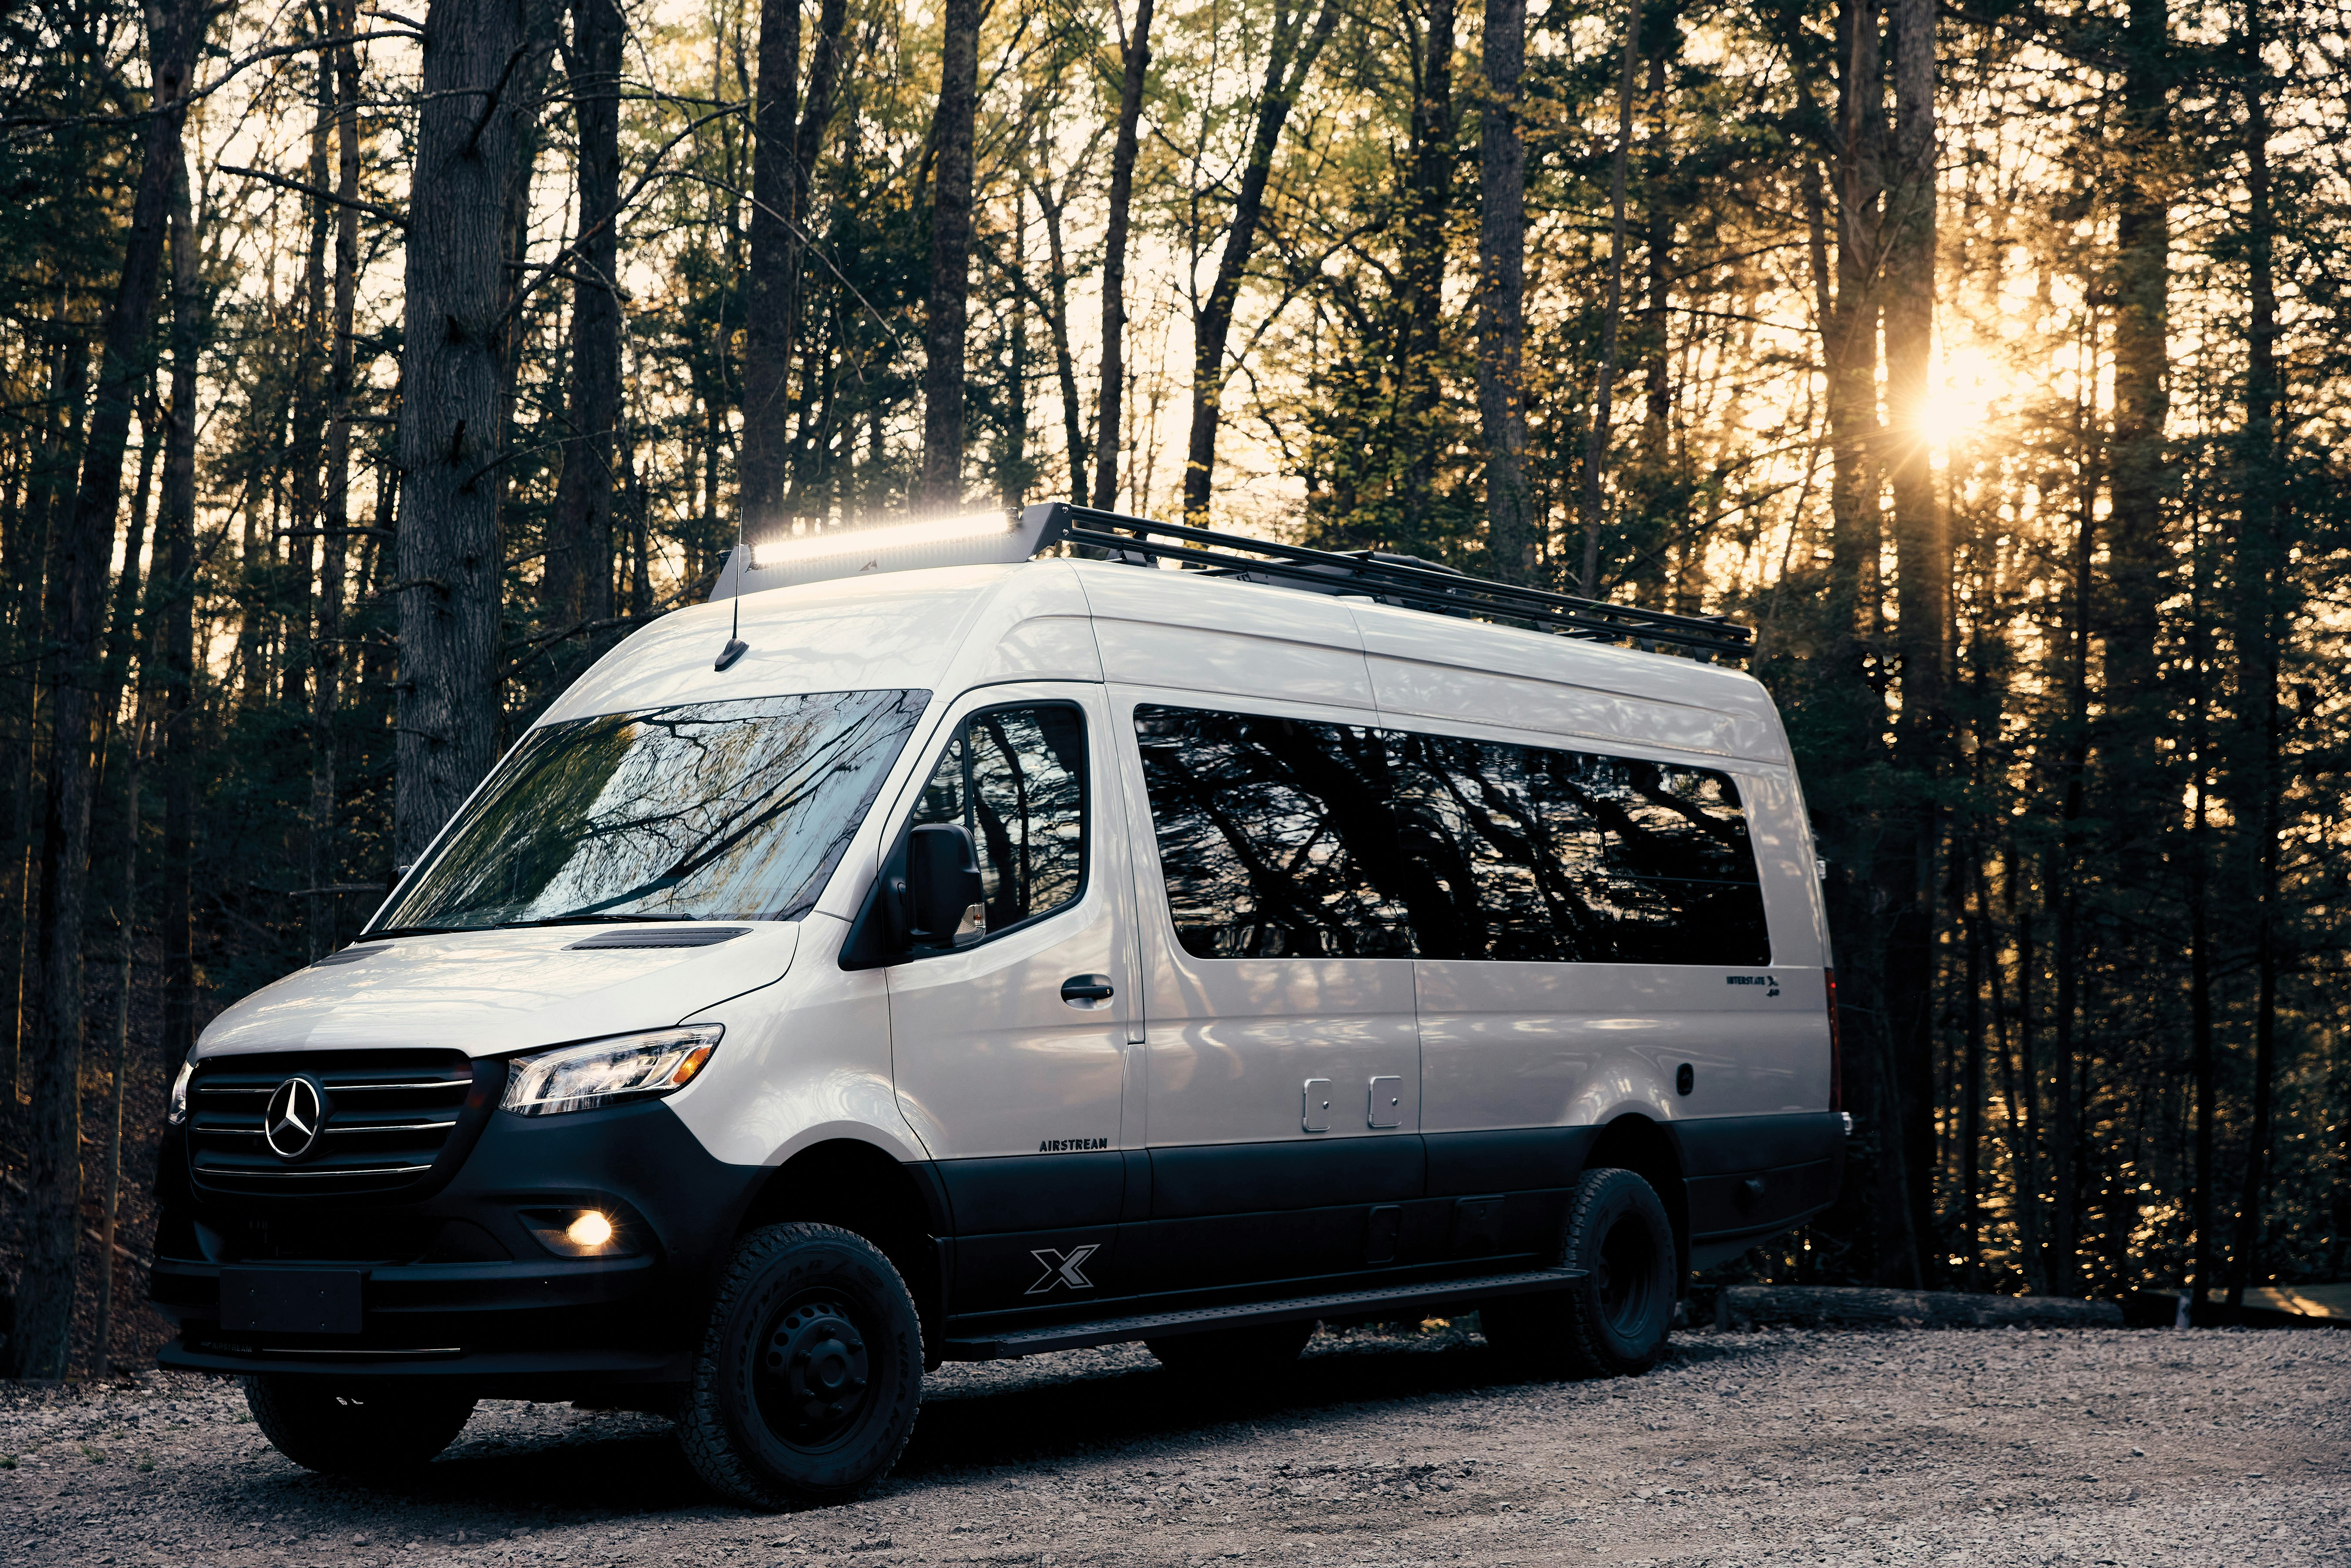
column 2212, row 1448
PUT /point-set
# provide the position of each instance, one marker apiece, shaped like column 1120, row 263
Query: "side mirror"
column 948, row 901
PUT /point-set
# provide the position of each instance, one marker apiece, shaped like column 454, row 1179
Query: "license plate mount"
column 290, row 1301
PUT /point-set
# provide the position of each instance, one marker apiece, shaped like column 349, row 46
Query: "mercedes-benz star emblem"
column 290, row 1122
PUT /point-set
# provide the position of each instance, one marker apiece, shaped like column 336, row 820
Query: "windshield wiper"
column 598, row 919
column 413, row 931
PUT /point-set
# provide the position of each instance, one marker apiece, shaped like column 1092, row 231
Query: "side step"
column 1341, row 1304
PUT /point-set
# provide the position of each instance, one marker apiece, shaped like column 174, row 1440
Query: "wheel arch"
column 862, row 1187
column 1635, row 1143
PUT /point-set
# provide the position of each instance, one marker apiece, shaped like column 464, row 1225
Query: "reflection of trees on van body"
column 1274, row 835
column 1280, row 837
column 1015, row 778
column 706, row 810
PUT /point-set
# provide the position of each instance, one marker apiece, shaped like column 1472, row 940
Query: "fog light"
column 578, row 1232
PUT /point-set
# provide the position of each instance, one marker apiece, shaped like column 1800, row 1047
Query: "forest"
column 364, row 374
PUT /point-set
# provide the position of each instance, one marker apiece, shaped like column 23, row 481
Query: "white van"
column 923, row 961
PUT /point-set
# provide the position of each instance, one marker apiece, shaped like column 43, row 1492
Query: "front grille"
column 387, row 1119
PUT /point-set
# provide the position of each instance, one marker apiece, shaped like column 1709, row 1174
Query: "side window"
column 1276, row 836
column 1016, row 777
column 1566, row 856
column 1667, row 857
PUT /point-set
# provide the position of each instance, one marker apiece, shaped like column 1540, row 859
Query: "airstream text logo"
column 1063, row 1146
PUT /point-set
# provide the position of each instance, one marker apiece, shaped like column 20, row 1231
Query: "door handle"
column 1087, row 990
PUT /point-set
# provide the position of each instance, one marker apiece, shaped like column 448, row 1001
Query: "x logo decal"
column 1062, row 1269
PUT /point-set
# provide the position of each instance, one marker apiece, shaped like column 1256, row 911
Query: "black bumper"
column 452, row 1285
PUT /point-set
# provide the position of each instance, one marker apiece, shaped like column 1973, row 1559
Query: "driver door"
column 1012, row 1051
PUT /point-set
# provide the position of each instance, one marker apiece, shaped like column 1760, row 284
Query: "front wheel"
column 810, row 1373
column 361, row 1431
column 1613, row 1323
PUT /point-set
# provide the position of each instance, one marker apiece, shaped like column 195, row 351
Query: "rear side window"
column 1574, row 857
column 1016, row 777
column 1275, row 835
column 1280, row 838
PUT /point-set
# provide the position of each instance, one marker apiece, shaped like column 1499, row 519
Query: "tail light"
column 1836, row 1049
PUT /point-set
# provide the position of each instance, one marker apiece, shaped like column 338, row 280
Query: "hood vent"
column 697, row 937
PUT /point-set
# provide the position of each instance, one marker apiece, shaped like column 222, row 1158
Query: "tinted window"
column 1016, row 777
column 1569, row 856
column 719, row 810
column 1275, row 835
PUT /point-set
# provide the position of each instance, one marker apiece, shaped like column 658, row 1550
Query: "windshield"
column 719, row 810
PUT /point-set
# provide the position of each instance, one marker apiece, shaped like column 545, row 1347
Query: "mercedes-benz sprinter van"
column 920, row 961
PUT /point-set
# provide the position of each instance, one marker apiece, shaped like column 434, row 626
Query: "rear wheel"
column 1614, row 1322
column 353, row 1431
column 1235, row 1353
column 809, row 1379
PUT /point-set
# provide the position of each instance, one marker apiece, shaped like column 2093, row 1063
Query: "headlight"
column 178, row 1110
column 607, row 1071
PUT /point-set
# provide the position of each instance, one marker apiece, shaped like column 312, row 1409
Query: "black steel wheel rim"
column 812, row 1376
column 1627, row 1275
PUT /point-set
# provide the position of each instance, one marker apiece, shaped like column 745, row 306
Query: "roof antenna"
column 736, row 647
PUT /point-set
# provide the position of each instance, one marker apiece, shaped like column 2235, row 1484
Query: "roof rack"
column 1390, row 579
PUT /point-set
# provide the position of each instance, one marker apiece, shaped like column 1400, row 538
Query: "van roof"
column 947, row 629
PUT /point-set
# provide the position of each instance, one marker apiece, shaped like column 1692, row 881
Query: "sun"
column 1962, row 387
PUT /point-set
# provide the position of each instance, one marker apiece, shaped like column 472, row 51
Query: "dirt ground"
column 2210, row 1448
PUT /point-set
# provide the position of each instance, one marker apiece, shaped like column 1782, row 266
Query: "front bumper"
column 452, row 1285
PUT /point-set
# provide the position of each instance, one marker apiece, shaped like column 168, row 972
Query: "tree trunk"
column 576, row 584
column 51, row 487
column 1595, row 439
column 816, row 113
column 175, row 551
column 308, row 424
column 2025, row 1154
column 2262, row 628
column 471, row 152
column 2065, row 1122
column 322, row 864
column 951, row 210
column 1012, row 462
column 765, row 468
column 1849, row 336
column 1421, row 277
column 121, row 647
column 1502, row 294
column 1972, row 1098
column 1295, row 48
column 1057, row 319
column 52, row 1222
column 2138, row 558
column 1906, row 864
column 1133, row 66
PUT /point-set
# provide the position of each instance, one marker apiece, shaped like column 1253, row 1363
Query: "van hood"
column 488, row 993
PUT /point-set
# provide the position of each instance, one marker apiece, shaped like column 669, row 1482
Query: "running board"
column 1342, row 1304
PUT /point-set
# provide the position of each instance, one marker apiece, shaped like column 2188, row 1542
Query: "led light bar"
column 772, row 553
column 970, row 539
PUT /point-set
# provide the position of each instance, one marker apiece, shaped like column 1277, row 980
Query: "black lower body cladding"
column 1749, row 1177
column 453, row 1285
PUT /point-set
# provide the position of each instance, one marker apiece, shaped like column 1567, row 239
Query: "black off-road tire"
column 810, row 1374
column 1615, row 1321
column 354, row 1431
column 1265, row 1351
